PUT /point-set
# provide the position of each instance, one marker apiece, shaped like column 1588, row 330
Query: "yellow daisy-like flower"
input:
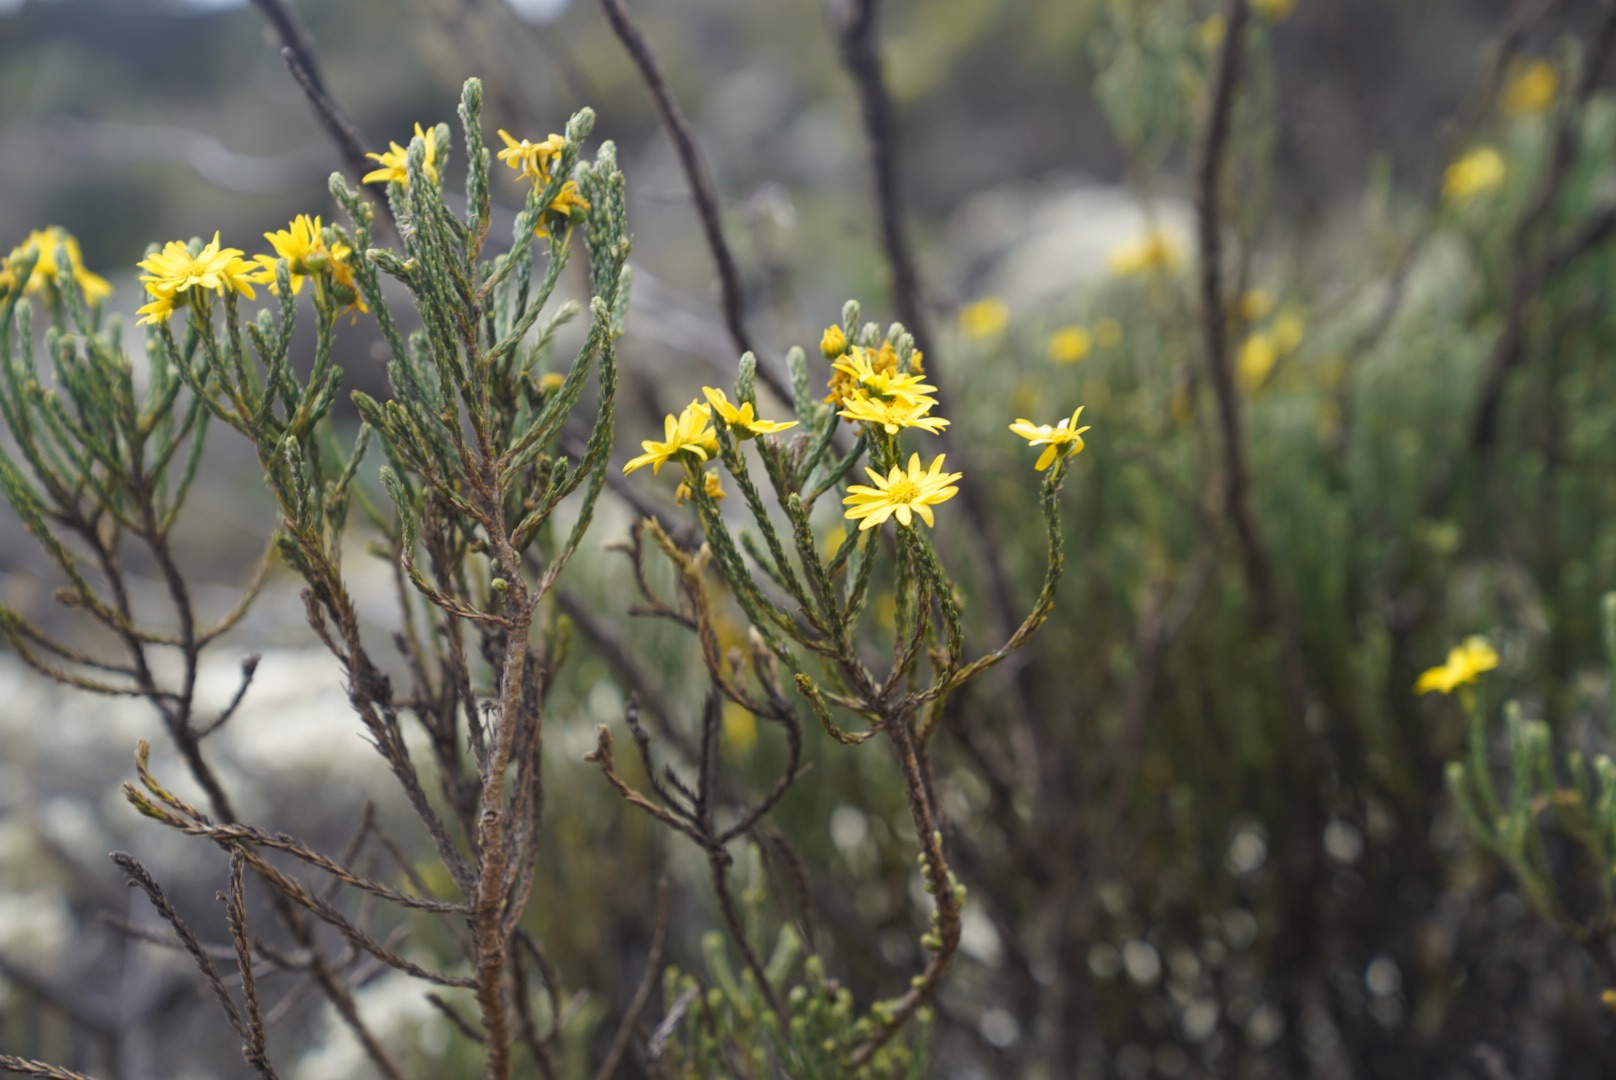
column 1532, row 88
column 395, row 163
column 1063, row 439
column 741, row 420
column 1154, row 251
column 47, row 240
column 710, row 483
column 901, row 493
column 302, row 244
column 531, row 160
column 893, row 415
column 984, row 319
column 832, row 343
column 1465, row 664
column 692, row 432
column 1070, row 344
column 1479, row 171
column 884, row 381
column 175, row 273
column 566, row 201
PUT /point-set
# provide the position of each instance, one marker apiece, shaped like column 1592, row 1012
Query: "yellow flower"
column 880, row 366
column 1256, row 304
column 1213, row 30
column 985, row 318
column 709, row 482
column 692, row 432
column 741, row 419
column 878, row 377
column 892, row 415
column 1274, row 10
column 551, row 380
column 740, row 729
column 1069, row 344
column 832, row 343
column 302, row 244
column 1063, row 439
column 1257, row 356
column 531, row 160
column 1154, row 251
column 395, row 163
column 46, row 241
column 1466, row 661
column 1532, row 88
column 1288, row 329
column 174, row 272
column 1108, row 333
column 901, row 493
column 566, row 201
column 1476, row 173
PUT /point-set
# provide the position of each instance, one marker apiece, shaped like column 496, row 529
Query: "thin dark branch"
column 1531, row 274
column 700, row 179
column 642, row 995
column 463, row 1025
column 1255, row 559
column 253, row 1049
column 336, row 123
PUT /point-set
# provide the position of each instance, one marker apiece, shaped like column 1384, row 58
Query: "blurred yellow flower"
column 1256, row 304
column 566, row 201
column 1062, row 440
column 174, row 272
column 985, row 318
column 1257, row 356
column 710, row 483
column 1288, row 329
column 551, row 380
column 395, row 162
column 1477, row 172
column 1154, row 251
column 1108, row 333
column 692, row 432
column 832, row 343
column 46, row 241
column 901, row 493
column 531, row 160
column 741, row 419
column 1069, row 344
column 1466, row 662
column 1532, row 87
column 1213, row 30
column 740, row 729
column 1274, row 10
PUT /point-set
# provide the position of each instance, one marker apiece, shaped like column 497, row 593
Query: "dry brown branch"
column 40, row 1069
column 253, row 1049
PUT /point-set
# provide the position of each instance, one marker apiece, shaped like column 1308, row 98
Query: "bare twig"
column 253, row 1049
column 1255, row 560
column 642, row 995
column 700, row 179
column 39, row 1069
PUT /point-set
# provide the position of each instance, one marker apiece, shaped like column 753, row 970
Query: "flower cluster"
column 872, row 387
column 873, row 391
column 175, row 273
column 46, row 242
column 185, row 272
column 532, row 163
